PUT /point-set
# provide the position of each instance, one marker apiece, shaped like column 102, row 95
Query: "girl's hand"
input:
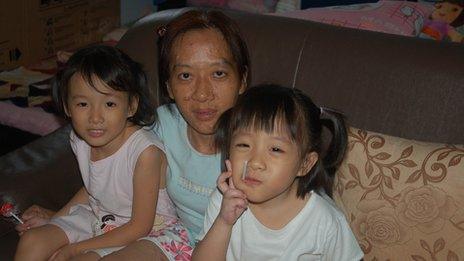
column 234, row 201
column 34, row 216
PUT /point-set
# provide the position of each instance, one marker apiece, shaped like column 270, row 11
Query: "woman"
column 203, row 67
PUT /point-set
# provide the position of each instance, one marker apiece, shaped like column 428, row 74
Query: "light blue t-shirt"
column 191, row 175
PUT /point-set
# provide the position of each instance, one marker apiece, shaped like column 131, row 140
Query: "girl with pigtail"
column 273, row 201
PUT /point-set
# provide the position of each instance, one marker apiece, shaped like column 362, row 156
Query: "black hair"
column 260, row 107
column 115, row 69
column 194, row 20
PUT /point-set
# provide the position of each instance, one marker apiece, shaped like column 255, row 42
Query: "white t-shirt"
column 109, row 181
column 318, row 232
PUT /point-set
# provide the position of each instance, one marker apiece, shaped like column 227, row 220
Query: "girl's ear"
column 133, row 106
column 308, row 163
column 66, row 111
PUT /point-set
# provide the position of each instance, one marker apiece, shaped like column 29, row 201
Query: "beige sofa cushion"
column 404, row 199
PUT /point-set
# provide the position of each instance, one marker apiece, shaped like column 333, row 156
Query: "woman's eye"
column 81, row 104
column 110, row 104
column 184, row 76
column 242, row 145
column 455, row 9
column 219, row 74
column 276, row 149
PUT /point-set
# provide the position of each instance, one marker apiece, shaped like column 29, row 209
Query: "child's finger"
column 37, row 222
column 239, row 206
column 21, row 228
column 231, row 183
column 221, row 182
column 229, row 166
column 234, row 193
column 29, row 213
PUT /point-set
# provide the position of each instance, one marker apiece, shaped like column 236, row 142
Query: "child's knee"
column 40, row 243
column 89, row 256
column 31, row 240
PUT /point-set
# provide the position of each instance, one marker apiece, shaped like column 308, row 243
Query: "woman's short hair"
column 194, row 20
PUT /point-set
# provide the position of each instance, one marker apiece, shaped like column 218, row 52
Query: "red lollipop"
column 7, row 210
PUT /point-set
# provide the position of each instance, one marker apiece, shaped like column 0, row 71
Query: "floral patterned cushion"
column 404, row 199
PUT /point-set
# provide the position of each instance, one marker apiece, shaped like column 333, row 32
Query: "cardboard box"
column 31, row 30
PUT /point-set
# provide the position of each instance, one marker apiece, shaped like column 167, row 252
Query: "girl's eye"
column 184, row 76
column 81, row 104
column 455, row 9
column 276, row 149
column 219, row 74
column 242, row 145
column 110, row 104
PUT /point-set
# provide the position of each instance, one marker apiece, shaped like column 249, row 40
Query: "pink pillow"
column 395, row 17
column 253, row 6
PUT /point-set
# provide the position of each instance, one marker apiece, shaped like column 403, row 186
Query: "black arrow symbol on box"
column 15, row 54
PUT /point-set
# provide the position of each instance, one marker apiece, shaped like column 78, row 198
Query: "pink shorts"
column 172, row 238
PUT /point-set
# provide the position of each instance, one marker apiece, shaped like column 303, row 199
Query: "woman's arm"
column 145, row 186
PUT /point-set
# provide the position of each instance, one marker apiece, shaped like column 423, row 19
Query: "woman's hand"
column 34, row 216
column 234, row 201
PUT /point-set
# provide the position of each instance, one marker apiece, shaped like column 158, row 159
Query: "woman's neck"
column 200, row 142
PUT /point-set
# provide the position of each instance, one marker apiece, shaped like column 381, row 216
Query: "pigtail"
column 335, row 152
column 335, row 122
column 321, row 176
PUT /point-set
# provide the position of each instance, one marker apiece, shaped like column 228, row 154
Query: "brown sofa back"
column 400, row 86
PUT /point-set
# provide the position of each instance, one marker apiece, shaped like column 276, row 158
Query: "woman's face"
column 204, row 81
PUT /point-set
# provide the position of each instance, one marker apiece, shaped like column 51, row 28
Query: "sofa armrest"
column 43, row 172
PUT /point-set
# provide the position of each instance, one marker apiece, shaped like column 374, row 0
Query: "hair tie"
column 161, row 30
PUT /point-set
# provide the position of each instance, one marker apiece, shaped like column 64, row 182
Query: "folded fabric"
column 31, row 119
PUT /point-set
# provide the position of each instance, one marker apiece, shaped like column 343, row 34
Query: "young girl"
column 105, row 96
column 275, row 204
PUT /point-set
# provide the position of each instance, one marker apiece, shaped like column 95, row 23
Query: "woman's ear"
column 308, row 163
column 243, row 84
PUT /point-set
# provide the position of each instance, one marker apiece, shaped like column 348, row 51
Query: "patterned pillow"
column 404, row 199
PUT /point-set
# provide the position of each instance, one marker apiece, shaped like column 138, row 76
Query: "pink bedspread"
column 31, row 119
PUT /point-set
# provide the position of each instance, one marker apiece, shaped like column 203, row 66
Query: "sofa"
column 401, row 185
